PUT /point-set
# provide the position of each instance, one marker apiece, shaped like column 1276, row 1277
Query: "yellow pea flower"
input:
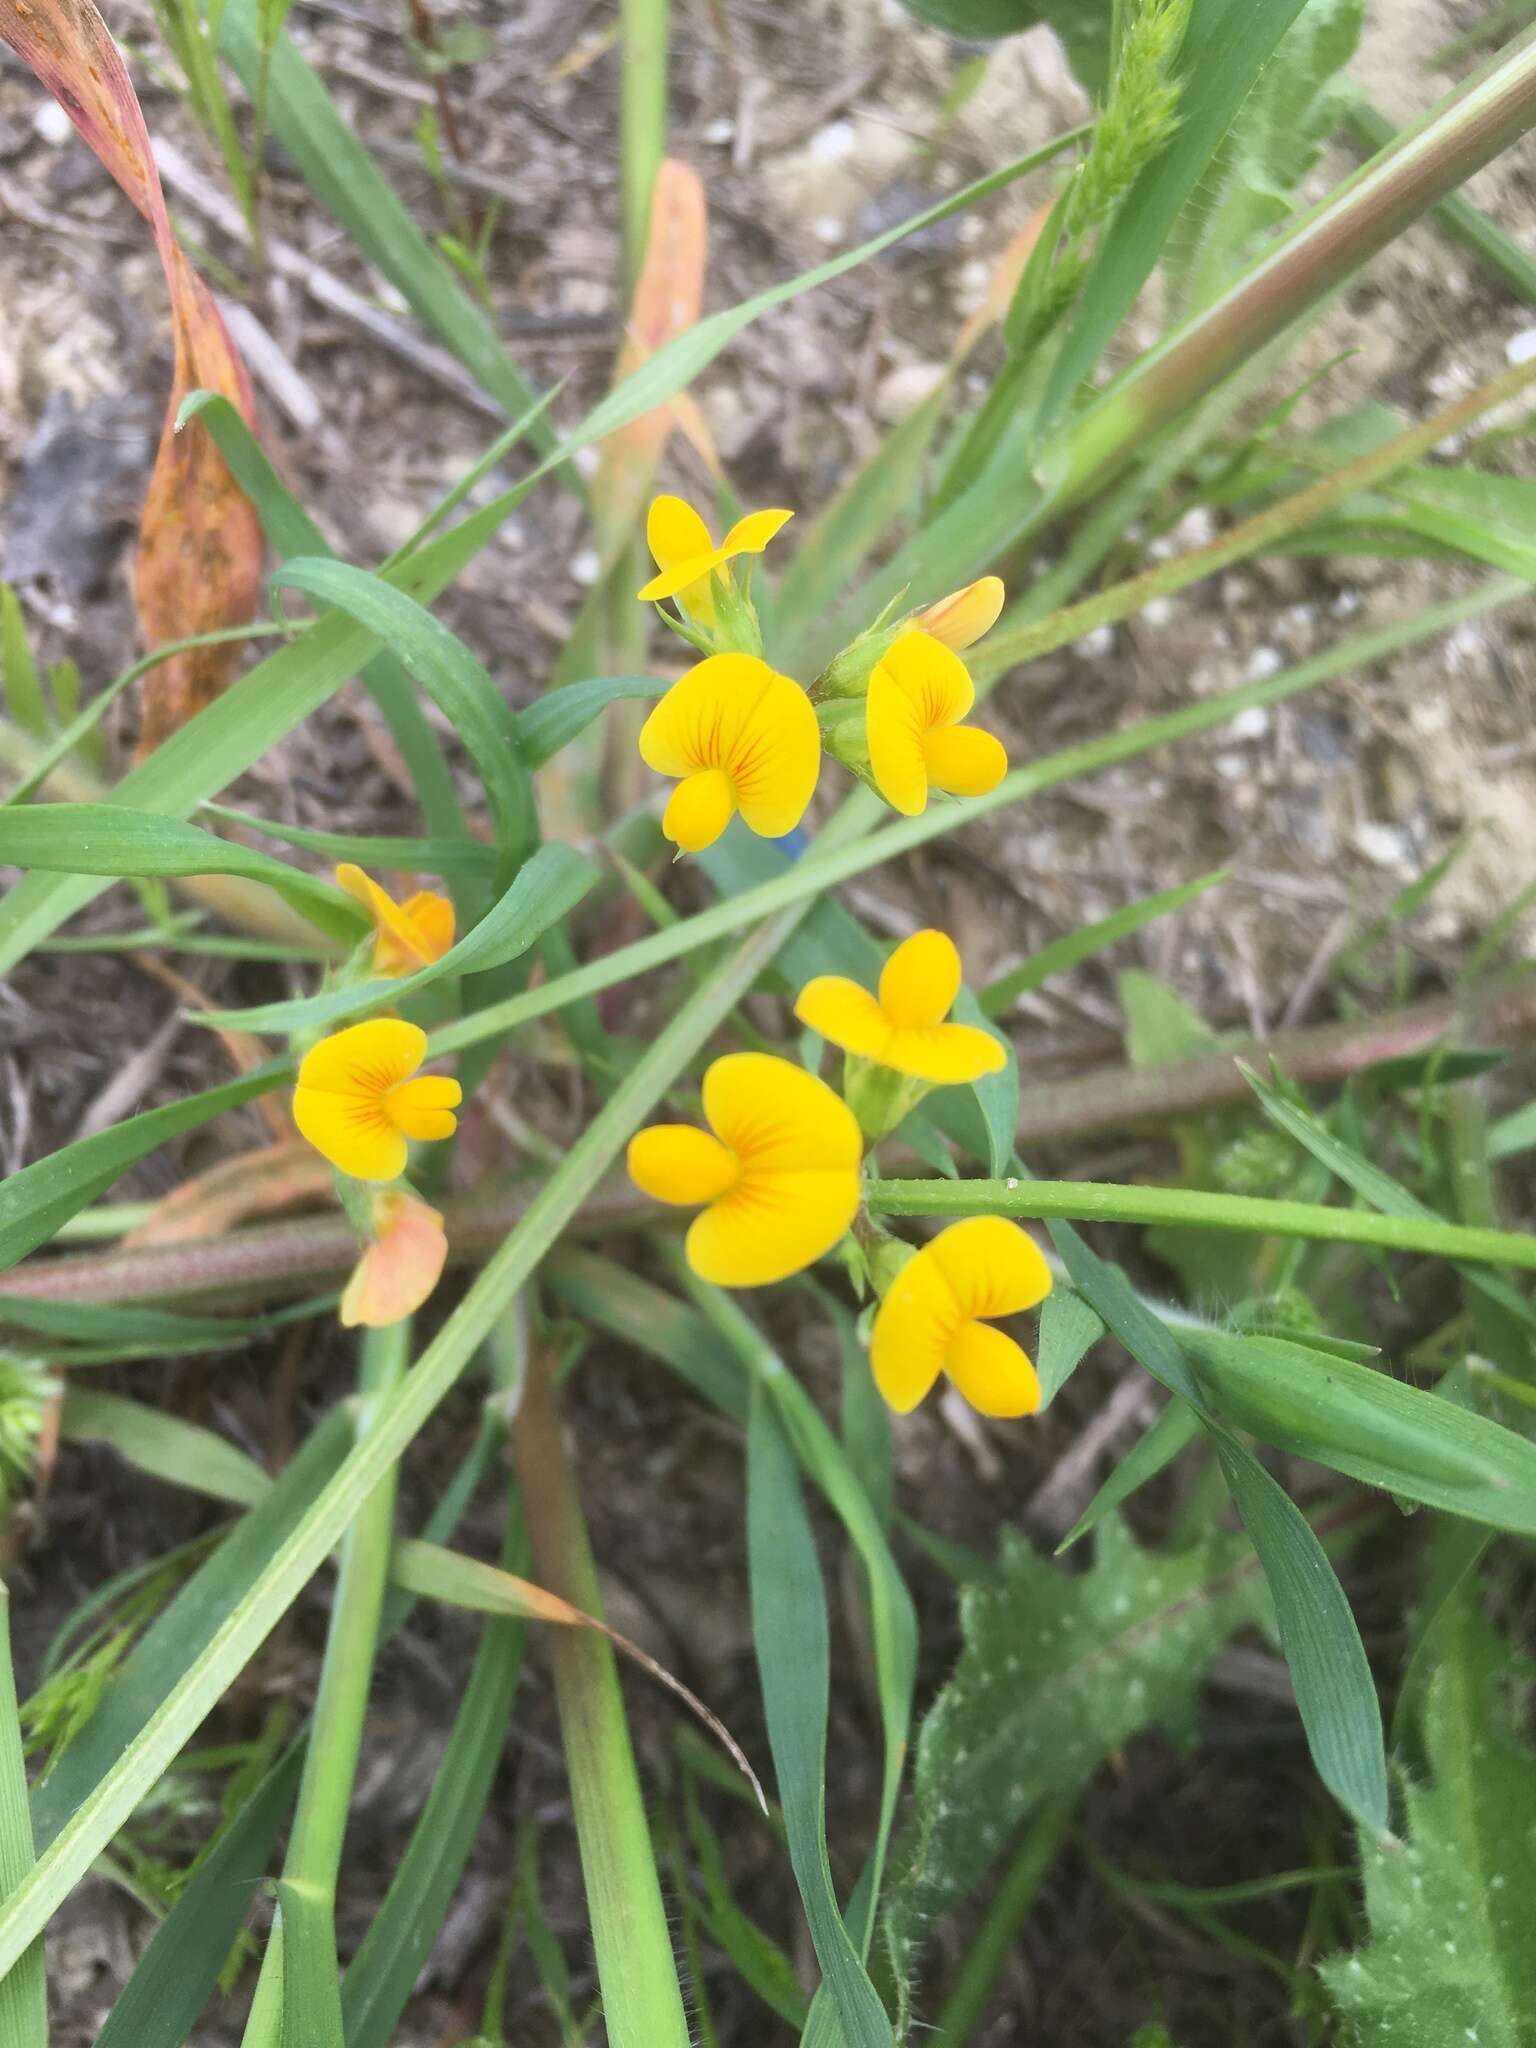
column 932, row 1318
column 960, row 619
column 401, row 1263
column 407, row 935
column 742, row 738
column 903, row 1027
column 357, row 1104
column 918, row 693
column 778, row 1170
column 686, row 556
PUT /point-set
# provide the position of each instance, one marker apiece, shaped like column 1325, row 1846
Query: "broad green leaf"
column 179, row 1971
column 163, row 1445
column 1058, row 1671
column 24, row 1989
column 178, row 1635
column 1450, row 1960
column 105, row 839
column 546, row 889
column 35, row 1201
column 1377, row 1429
column 455, row 679
column 552, row 721
column 789, row 1632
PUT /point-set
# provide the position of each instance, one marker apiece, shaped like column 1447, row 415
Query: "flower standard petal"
column 913, row 1330
column 777, row 1118
column 895, row 737
column 991, row 1265
column 992, row 1372
column 681, row 1164
column 962, row 760
column 932, row 676
column 960, row 619
column 920, row 981
column 845, row 1014
column 700, row 720
column 368, row 1059
column 772, row 1224
column 752, row 533
column 352, row 1132
column 774, row 759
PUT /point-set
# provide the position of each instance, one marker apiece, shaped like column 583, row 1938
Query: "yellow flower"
column 357, row 1103
column 687, row 558
column 408, row 935
column 960, row 619
column 742, row 738
column 401, row 1263
column 778, row 1169
column 930, row 1320
column 903, row 1027
column 918, row 693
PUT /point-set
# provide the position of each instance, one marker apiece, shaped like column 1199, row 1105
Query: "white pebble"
column 1157, row 611
column 721, row 131
column 1265, row 662
column 1346, row 604
column 1251, row 724
column 832, row 143
column 1095, row 643
column 1384, row 845
column 585, row 567
column 1521, row 347
column 828, row 229
column 1197, row 528
column 52, row 125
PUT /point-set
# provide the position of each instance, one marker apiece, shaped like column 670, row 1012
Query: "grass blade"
column 24, row 1989
column 789, row 1631
column 181, row 1453
column 311, row 1987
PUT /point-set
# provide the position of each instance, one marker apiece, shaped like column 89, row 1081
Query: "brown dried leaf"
column 259, row 1183
column 200, row 544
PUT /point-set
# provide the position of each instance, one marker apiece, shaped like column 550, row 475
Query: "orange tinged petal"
column 400, row 1265
column 409, row 935
column 960, row 619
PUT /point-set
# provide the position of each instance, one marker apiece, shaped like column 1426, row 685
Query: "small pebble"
column 1265, row 662
column 52, row 124
column 1521, row 347
column 828, row 229
column 1157, row 611
column 1096, row 643
column 721, row 131
column 585, row 567
column 832, row 143
column 1251, row 724
column 1386, row 846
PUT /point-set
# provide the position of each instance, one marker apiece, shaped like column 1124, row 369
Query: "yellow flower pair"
column 739, row 737
column 778, row 1177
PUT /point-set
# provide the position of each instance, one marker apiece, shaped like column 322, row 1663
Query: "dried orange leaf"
column 200, row 546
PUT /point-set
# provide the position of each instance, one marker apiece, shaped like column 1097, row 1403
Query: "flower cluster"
column 778, row 1179
column 360, row 1101
column 737, row 736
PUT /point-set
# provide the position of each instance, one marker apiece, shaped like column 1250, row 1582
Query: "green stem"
column 966, row 2006
column 346, row 1676
column 642, row 120
column 642, row 2001
column 1088, row 1201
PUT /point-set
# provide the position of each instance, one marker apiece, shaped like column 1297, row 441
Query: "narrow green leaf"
column 163, row 1445
column 174, row 1641
column 552, row 721
column 455, row 679
column 545, row 889
column 1377, row 1429
column 179, row 1972
column 24, row 700
column 106, row 839
column 24, row 1988
column 311, row 1986
column 371, row 850
column 1335, row 1693
column 789, row 1629
column 1088, row 939
column 1158, row 1445
column 126, row 1323
column 1068, row 1331
column 35, row 1201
